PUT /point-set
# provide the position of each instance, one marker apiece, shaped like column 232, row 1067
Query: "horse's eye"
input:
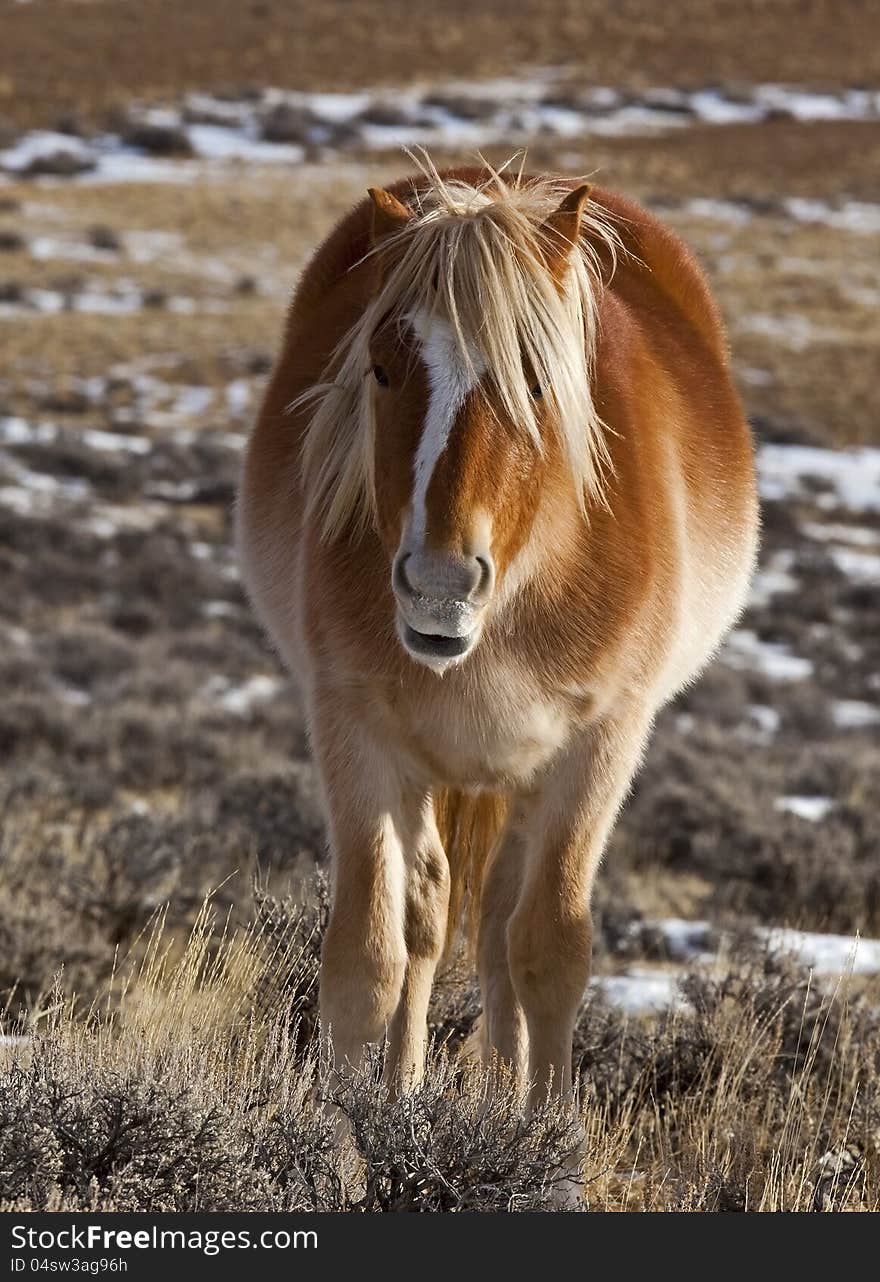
column 380, row 376
column 536, row 392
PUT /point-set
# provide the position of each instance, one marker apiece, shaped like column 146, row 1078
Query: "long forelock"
column 473, row 255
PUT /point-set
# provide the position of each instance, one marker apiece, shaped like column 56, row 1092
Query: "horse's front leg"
column 363, row 958
column 389, row 903
column 549, row 935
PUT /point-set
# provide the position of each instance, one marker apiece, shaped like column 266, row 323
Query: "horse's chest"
column 501, row 736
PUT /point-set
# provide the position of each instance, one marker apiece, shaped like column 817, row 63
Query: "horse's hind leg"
column 427, row 906
column 504, row 1026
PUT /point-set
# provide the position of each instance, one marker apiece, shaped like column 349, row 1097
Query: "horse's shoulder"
column 657, row 254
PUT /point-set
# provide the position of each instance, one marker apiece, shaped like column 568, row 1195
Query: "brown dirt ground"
column 63, row 55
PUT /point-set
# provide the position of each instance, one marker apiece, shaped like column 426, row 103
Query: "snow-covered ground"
column 646, row 990
column 851, row 478
column 641, row 991
column 745, row 649
column 455, row 115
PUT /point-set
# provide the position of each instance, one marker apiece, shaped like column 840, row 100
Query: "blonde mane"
column 475, row 255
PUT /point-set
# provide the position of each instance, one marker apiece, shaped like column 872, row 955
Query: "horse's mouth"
column 433, row 645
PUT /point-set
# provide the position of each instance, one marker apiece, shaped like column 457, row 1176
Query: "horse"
column 497, row 509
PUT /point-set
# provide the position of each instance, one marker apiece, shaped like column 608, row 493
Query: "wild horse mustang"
column 499, row 506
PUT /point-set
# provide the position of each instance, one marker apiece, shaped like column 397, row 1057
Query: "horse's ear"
column 389, row 215
column 562, row 228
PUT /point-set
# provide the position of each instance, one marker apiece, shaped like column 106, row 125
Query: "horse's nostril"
column 399, row 580
column 486, row 576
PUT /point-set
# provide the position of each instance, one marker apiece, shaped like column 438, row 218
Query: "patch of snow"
column 767, row 718
column 118, row 164
column 852, row 475
column 94, row 388
column 220, row 610
column 238, row 396
column 864, row 567
column 794, row 331
column 101, row 526
column 711, row 107
column 743, row 649
column 18, row 431
column 644, row 990
column 18, row 499
column 827, row 954
column 630, row 120
column 48, row 248
column 774, row 578
column 343, row 107
column 149, row 246
column 217, row 109
column 123, row 300
column 173, row 491
column 229, row 440
column 861, row 535
column 688, row 941
column 161, row 117
column 724, row 211
column 106, row 520
column 219, row 142
column 239, row 700
column 684, row 940
column 17, row 635
column 75, row 697
column 813, row 809
column 116, row 442
column 48, row 301
column 39, row 145
column 33, row 494
column 860, row 294
column 641, row 991
column 756, row 377
column 854, row 714
column 807, row 106
column 192, row 401
column 853, row 216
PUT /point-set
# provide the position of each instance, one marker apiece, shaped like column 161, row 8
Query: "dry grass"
column 191, row 1085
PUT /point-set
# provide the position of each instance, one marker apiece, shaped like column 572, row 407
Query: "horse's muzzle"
column 440, row 603
column 443, row 577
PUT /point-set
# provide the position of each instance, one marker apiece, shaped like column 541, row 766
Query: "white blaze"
column 450, row 378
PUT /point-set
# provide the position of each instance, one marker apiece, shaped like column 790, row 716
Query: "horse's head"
column 474, row 368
